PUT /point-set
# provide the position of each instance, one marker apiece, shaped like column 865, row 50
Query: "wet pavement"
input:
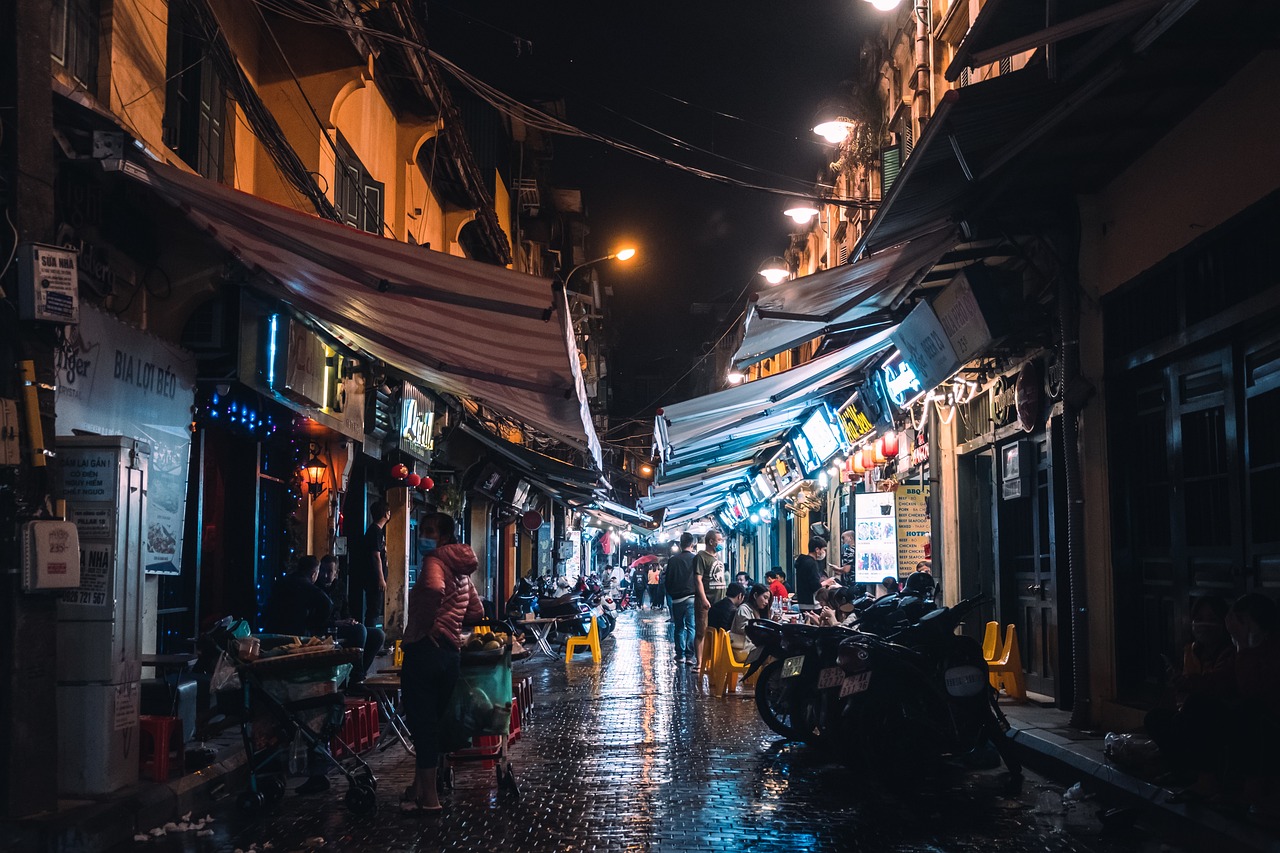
column 631, row 755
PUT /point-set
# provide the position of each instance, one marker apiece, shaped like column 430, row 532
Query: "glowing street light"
column 736, row 377
column 802, row 213
column 775, row 271
column 625, row 254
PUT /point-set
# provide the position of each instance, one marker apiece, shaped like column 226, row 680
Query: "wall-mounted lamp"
column 802, row 213
column 314, row 472
column 736, row 377
column 775, row 270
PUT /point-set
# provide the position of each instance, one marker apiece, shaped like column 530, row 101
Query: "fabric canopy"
column 838, row 299
column 467, row 328
column 569, row 484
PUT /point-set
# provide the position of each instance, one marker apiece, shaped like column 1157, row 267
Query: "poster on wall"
column 114, row 379
column 875, row 537
column 573, row 565
column 913, row 524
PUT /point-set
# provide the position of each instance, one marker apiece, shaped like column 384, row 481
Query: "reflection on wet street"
column 630, row 755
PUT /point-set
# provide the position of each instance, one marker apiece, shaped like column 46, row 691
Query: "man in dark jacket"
column 721, row 613
column 297, row 606
column 810, row 570
column 347, row 631
column 682, row 587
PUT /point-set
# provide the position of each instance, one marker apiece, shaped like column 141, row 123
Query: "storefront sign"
column 913, row 524
column 957, row 310
column 114, row 379
column 304, row 366
column 938, row 337
column 417, row 419
column 854, row 422
column 875, row 537
column 900, row 382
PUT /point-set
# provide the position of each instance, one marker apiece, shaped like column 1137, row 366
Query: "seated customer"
column 297, row 606
column 756, row 606
column 347, row 631
column 721, row 613
column 776, row 584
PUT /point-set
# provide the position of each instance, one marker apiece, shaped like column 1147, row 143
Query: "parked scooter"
column 795, row 690
column 917, row 696
column 601, row 604
column 573, row 613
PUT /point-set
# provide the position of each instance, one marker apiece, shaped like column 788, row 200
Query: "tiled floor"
column 630, row 755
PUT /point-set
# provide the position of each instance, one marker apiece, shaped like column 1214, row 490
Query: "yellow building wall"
column 135, row 40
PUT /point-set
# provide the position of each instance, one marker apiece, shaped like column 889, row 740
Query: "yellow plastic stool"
column 725, row 669
column 1006, row 671
column 991, row 642
column 707, row 655
column 397, row 655
column 591, row 641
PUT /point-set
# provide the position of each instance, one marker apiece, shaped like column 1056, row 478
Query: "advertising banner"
column 114, row 379
column 875, row 537
column 913, row 524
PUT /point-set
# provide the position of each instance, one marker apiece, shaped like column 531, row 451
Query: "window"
column 195, row 103
column 74, row 42
column 356, row 195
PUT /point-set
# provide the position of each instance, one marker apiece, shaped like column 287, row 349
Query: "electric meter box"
column 50, row 555
column 48, row 284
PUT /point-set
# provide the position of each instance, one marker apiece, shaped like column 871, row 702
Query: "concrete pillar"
column 396, row 605
column 944, row 502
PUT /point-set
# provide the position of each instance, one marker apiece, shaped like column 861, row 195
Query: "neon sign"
column 900, row 383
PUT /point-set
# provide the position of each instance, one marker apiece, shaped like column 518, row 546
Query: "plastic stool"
column 515, row 719
column 707, row 655
column 155, row 743
column 1006, row 671
column 591, row 641
column 725, row 668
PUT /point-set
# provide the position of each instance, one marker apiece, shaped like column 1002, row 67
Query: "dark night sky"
column 768, row 64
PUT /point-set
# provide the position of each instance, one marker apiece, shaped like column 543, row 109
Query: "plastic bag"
column 224, row 676
column 1129, row 750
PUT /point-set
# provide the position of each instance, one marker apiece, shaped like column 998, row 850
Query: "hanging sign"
column 854, row 423
column 417, row 419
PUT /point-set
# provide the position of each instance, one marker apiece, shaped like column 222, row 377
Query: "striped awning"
column 466, row 328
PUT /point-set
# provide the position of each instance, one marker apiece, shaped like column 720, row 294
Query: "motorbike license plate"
column 832, row 676
column 792, row 666
column 856, row 684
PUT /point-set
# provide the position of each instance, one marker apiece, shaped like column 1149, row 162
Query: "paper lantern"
column 399, row 471
column 412, row 480
column 856, row 468
column 868, row 457
column 889, row 445
column 877, row 448
column 427, row 484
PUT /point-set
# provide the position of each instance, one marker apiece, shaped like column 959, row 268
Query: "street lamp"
column 802, row 213
column 621, row 255
column 885, row 5
column 775, row 270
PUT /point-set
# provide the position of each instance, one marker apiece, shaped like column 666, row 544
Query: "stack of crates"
column 361, row 727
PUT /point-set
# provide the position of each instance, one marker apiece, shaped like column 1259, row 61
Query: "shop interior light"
column 755, row 518
column 822, row 479
column 735, row 377
column 775, row 270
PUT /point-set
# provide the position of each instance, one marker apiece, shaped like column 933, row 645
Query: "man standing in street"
column 810, row 570
column 369, row 568
column 712, row 582
column 683, row 589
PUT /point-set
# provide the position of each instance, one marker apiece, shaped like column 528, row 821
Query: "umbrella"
column 645, row 560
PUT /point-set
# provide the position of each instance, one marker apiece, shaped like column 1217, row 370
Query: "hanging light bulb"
column 822, row 479
column 802, row 213
column 775, row 270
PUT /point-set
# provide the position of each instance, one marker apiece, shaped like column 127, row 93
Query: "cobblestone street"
column 629, row 756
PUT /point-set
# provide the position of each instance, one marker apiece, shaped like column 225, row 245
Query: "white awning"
column 466, row 328
column 854, row 297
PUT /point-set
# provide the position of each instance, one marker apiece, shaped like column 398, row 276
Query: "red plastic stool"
column 156, row 741
column 515, row 719
column 375, row 722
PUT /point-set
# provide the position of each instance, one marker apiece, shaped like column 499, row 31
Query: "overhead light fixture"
column 884, row 5
column 802, row 213
column 775, row 270
column 736, row 377
column 834, row 131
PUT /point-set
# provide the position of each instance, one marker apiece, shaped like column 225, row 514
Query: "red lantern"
column 889, row 445
column 868, row 457
column 412, row 480
column 878, row 450
column 399, row 471
column 427, row 484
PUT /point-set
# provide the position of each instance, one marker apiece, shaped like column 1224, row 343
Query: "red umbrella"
column 647, row 558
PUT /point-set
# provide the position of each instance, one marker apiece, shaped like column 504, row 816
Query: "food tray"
column 279, row 665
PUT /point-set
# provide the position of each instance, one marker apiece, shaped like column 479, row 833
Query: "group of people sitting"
column 1219, row 733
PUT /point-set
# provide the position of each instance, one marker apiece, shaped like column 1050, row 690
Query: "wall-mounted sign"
column 417, row 419
column 304, row 367
column 938, row 337
column 854, row 422
column 117, row 380
column 901, row 384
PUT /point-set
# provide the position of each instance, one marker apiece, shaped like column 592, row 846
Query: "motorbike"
column 601, row 603
column 918, row 695
column 795, row 691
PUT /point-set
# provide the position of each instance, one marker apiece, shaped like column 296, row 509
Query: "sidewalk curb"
column 1073, row 760
column 103, row 824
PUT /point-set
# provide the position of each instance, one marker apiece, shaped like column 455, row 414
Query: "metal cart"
column 291, row 696
column 481, row 707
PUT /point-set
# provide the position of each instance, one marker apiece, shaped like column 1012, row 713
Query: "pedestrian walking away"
column 683, row 589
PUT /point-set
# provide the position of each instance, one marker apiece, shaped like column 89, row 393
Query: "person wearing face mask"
column 712, row 581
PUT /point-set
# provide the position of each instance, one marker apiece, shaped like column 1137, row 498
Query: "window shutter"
column 890, row 166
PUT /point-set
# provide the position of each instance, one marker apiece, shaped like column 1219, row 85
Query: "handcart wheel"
column 251, row 801
column 361, row 799
column 507, row 782
column 272, row 790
